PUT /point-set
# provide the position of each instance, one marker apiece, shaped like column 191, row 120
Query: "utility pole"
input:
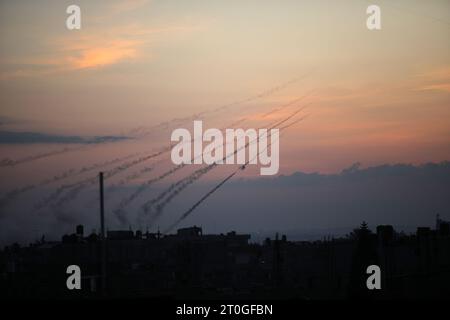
column 103, row 237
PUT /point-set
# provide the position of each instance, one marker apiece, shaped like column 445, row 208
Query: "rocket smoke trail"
column 52, row 197
column 11, row 195
column 177, row 187
column 143, row 171
column 94, row 166
column 80, row 185
column 119, row 211
column 76, row 188
column 73, row 193
column 126, row 201
column 188, row 212
column 239, row 121
column 133, row 176
column 262, row 94
column 209, row 193
column 288, row 104
column 172, row 191
column 125, row 180
column 294, row 122
column 267, row 92
column 6, row 162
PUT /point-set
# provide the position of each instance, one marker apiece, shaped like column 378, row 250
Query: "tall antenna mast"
column 103, row 237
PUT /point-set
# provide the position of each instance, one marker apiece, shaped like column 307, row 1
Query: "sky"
column 380, row 96
column 373, row 97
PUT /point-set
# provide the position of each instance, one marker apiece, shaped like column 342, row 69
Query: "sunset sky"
column 138, row 69
column 378, row 96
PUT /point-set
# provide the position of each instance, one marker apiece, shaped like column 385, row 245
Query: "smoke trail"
column 267, row 92
column 233, row 124
column 209, row 193
column 140, row 190
column 183, row 183
column 172, row 191
column 132, row 177
column 106, row 163
column 119, row 211
column 122, row 182
column 262, row 94
column 53, row 196
column 142, row 132
column 75, row 190
column 294, row 122
column 9, row 196
column 276, row 124
column 13, row 194
column 94, row 166
column 288, row 104
column 126, row 201
column 188, row 212
column 176, row 188
column 79, row 185
column 6, row 162
column 58, row 177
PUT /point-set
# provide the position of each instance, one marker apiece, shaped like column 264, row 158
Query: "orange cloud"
column 436, row 80
column 99, row 56
column 438, row 87
column 95, row 50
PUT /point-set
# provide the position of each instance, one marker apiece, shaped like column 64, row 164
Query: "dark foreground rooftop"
column 196, row 265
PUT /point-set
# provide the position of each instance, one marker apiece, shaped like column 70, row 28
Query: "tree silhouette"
column 364, row 255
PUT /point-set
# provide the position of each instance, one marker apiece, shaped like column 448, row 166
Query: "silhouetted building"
column 193, row 264
column 120, row 235
column 385, row 234
column 190, row 232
